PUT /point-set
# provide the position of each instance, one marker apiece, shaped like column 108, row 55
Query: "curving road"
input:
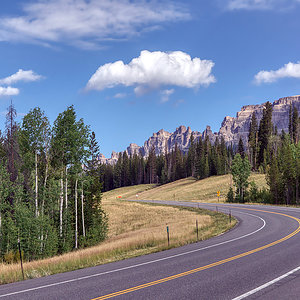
column 258, row 259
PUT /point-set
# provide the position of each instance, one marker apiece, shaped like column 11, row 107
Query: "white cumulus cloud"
column 288, row 70
column 21, row 75
column 84, row 23
column 152, row 70
column 8, row 91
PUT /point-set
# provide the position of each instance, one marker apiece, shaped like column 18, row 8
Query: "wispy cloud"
column 178, row 102
column 120, row 95
column 261, row 4
column 85, row 23
column 21, row 75
column 152, row 70
column 288, row 70
column 165, row 95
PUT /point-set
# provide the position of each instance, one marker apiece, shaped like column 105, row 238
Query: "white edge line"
column 266, row 284
column 141, row 264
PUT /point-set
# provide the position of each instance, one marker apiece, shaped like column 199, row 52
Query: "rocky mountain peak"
column 232, row 128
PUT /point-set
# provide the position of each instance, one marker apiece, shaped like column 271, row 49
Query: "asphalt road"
column 264, row 246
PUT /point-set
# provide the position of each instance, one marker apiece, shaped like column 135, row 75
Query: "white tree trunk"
column 82, row 211
column 61, row 205
column 66, row 188
column 43, row 202
column 36, row 186
column 45, row 183
column 76, row 216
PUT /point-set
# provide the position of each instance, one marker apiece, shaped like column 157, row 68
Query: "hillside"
column 188, row 189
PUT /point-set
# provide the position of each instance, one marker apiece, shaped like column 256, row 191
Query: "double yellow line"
column 142, row 286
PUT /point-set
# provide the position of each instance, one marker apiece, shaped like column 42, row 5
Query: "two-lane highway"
column 258, row 258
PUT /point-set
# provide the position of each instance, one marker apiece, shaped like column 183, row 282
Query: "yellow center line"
column 145, row 285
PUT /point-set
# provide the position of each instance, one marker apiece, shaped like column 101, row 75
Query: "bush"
column 230, row 195
column 9, row 257
column 264, row 196
column 253, row 195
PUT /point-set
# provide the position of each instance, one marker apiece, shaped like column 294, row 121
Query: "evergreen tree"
column 178, row 163
column 291, row 122
column 151, row 166
column 118, row 172
column 264, row 133
column 223, row 158
column 253, row 140
column 12, row 145
column 191, row 157
column 126, row 178
column 199, row 165
column 288, row 171
column 295, row 126
column 94, row 151
column 241, row 149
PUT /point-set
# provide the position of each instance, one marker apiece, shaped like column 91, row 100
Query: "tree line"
column 203, row 159
column 50, row 193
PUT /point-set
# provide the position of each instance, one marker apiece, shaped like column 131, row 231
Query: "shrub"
column 230, row 195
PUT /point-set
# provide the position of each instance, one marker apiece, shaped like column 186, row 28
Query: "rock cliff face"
column 231, row 130
column 234, row 128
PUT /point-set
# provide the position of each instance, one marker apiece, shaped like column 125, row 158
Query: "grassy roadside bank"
column 135, row 229
column 190, row 189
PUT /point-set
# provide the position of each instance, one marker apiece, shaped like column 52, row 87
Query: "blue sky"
column 133, row 67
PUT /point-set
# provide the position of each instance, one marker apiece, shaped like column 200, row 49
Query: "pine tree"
column 151, row 166
column 199, row 159
column 295, row 126
column 94, row 153
column 241, row 149
column 291, row 122
column 288, row 170
column 223, row 158
column 178, row 163
column 12, row 145
column 253, row 140
column 264, row 133
column 118, row 172
column 191, row 157
column 134, row 169
column 125, row 170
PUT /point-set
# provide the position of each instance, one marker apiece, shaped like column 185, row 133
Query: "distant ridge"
column 232, row 128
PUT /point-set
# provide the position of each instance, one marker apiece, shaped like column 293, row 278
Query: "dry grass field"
column 134, row 229
column 190, row 189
